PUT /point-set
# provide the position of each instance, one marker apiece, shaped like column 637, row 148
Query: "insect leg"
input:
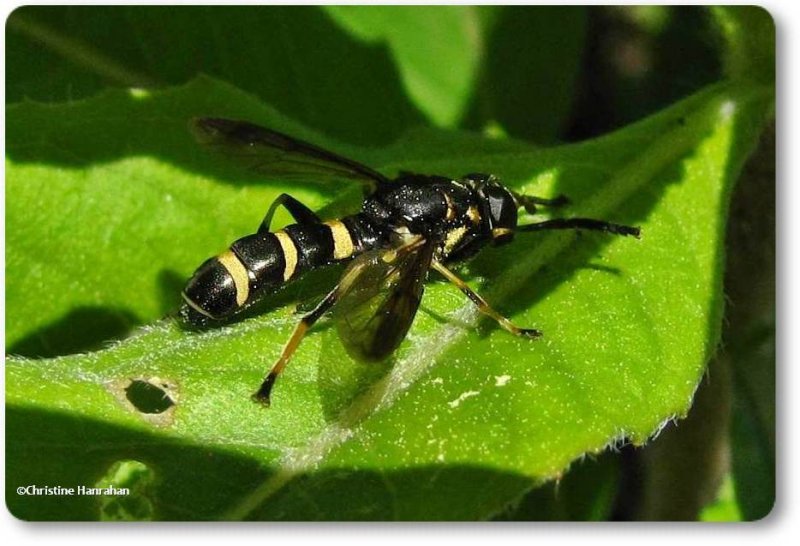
column 308, row 320
column 298, row 210
column 582, row 223
column 483, row 305
column 345, row 284
column 529, row 202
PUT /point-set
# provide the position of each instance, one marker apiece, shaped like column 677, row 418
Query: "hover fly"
column 406, row 226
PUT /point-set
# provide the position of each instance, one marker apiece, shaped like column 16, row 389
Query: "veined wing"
column 381, row 292
column 276, row 154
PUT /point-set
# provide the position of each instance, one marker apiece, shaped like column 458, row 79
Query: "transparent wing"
column 381, row 292
column 272, row 153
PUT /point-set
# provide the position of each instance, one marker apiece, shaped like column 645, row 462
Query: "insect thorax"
column 452, row 213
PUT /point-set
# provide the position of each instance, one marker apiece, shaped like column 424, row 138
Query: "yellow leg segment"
column 483, row 305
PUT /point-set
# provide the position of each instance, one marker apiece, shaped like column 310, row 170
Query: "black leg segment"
column 301, row 213
column 529, row 202
column 582, row 223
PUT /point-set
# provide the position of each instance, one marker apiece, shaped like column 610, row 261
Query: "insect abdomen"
column 257, row 264
column 229, row 282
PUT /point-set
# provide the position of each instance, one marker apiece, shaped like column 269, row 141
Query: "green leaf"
column 297, row 59
column 682, row 469
column 586, row 493
column 724, row 508
column 749, row 33
column 531, row 70
column 392, row 65
column 110, row 205
column 436, row 48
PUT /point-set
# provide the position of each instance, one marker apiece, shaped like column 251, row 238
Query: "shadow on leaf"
column 81, row 330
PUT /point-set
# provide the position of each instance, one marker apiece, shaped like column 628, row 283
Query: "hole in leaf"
column 152, row 399
column 148, row 397
column 126, row 492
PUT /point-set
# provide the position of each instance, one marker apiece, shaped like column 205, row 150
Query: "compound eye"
column 496, row 207
column 502, row 209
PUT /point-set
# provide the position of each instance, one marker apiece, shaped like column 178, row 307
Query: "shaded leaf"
column 531, row 70
column 724, row 508
column 298, row 59
column 585, row 493
column 436, row 49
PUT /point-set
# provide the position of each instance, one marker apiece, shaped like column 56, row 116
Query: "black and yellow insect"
column 405, row 227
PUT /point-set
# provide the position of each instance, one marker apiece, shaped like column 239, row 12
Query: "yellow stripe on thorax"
column 474, row 215
column 454, row 236
column 450, row 213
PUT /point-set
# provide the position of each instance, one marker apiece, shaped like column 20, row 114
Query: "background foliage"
column 110, row 206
